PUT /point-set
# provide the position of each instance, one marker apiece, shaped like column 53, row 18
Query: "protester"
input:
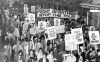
column 44, row 58
column 32, row 56
column 50, row 56
column 20, row 57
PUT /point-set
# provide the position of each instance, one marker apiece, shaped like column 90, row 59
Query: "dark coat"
column 41, row 60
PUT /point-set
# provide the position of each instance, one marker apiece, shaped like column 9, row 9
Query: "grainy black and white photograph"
column 49, row 30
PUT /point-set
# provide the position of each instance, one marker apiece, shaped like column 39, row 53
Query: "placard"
column 57, row 21
column 94, row 37
column 41, row 25
column 25, row 9
column 31, row 18
column 51, row 33
column 34, row 30
column 16, row 32
column 33, row 9
column 70, row 42
column 60, row 29
column 79, row 35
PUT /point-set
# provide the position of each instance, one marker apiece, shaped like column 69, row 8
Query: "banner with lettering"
column 94, row 37
column 56, row 13
column 70, row 42
column 51, row 33
column 79, row 35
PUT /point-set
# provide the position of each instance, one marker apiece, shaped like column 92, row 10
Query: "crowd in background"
column 37, row 48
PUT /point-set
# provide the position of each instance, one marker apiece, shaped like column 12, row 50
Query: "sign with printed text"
column 70, row 42
column 56, row 13
column 57, row 21
column 31, row 18
column 51, row 33
column 60, row 29
column 33, row 30
column 41, row 25
column 79, row 35
column 94, row 37
column 32, row 8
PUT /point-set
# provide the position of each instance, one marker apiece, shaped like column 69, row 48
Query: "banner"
column 51, row 33
column 60, row 29
column 56, row 13
column 41, row 25
column 57, row 21
column 70, row 42
column 79, row 35
column 94, row 37
column 31, row 18
column 33, row 9
column 43, row 13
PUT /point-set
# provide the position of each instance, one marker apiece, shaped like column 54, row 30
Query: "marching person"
column 50, row 56
column 32, row 56
column 44, row 58
column 20, row 57
column 39, row 54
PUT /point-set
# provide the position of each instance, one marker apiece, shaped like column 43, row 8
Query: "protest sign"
column 94, row 37
column 60, row 29
column 16, row 32
column 51, row 33
column 33, row 9
column 70, row 42
column 33, row 30
column 31, row 18
column 57, row 21
column 92, row 28
column 25, row 9
column 41, row 25
column 79, row 35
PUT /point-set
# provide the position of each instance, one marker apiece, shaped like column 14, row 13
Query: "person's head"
column 55, row 45
column 20, row 53
column 31, row 52
column 44, row 55
column 51, row 52
column 50, row 46
column 40, row 50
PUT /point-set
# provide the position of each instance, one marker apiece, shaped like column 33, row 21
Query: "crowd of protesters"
column 36, row 48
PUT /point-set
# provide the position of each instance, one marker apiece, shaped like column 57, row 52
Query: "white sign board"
column 57, row 21
column 41, row 25
column 33, row 30
column 32, row 8
column 16, row 32
column 25, row 9
column 60, row 29
column 79, row 35
column 94, row 37
column 31, row 18
column 51, row 33
column 70, row 42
